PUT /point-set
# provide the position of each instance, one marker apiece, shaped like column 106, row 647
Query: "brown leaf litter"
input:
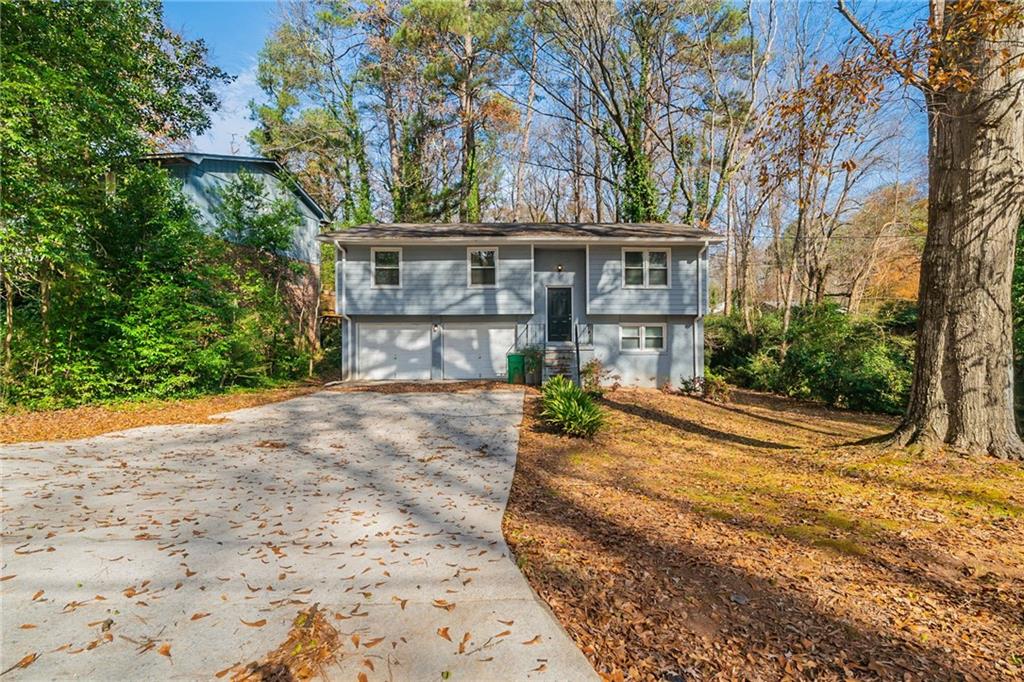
column 312, row 646
column 754, row 540
column 93, row 420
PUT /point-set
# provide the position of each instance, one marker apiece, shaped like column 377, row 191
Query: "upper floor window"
column 483, row 267
column 645, row 268
column 387, row 267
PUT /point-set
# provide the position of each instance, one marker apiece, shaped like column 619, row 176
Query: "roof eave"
column 341, row 238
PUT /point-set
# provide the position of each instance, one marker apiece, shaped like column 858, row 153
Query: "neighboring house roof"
column 553, row 232
column 276, row 168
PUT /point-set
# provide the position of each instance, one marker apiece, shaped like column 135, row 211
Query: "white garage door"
column 476, row 352
column 397, row 352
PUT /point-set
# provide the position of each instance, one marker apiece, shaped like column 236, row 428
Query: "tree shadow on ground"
column 685, row 596
column 693, row 427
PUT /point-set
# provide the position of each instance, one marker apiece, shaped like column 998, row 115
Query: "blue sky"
column 234, row 31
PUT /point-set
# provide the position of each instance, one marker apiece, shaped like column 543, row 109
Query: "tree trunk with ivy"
column 962, row 391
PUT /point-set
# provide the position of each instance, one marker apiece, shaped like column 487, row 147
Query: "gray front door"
column 559, row 314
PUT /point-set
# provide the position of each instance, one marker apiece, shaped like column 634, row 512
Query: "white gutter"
column 700, row 309
column 339, row 294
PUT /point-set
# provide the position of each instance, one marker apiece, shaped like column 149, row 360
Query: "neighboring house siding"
column 607, row 295
column 201, row 182
column 435, row 282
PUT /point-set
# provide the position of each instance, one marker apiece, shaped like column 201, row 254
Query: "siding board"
column 434, row 282
column 608, row 297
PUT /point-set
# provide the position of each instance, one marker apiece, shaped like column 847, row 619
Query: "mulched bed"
column 753, row 540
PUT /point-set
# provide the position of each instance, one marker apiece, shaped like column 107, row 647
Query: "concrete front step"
column 559, row 360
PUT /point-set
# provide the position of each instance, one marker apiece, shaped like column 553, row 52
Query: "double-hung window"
column 642, row 337
column 483, row 267
column 386, row 265
column 645, row 268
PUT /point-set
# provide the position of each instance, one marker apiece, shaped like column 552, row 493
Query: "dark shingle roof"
column 520, row 232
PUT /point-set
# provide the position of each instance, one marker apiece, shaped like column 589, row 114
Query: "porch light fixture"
column 559, row 267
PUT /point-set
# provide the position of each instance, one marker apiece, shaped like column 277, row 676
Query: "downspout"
column 700, row 308
column 339, row 293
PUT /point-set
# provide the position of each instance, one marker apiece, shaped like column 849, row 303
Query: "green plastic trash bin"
column 516, row 368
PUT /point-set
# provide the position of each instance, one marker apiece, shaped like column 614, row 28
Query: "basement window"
column 642, row 337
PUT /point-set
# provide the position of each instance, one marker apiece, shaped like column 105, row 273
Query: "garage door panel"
column 394, row 352
column 476, row 352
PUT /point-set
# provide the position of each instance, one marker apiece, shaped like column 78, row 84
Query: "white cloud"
column 231, row 124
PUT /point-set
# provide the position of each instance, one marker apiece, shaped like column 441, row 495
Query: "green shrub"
column 711, row 386
column 165, row 311
column 862, row 363
column 567, row 407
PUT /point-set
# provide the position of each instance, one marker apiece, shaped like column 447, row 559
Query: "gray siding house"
column 202, row 174
column 451, row 301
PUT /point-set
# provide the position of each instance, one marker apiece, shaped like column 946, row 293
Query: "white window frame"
column 373, row 266
column 642, row 326
column 647, row 268
column 469, row 266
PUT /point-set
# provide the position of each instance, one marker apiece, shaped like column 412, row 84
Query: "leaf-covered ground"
column 749, row 540
column 23, row 426
column 92, row 420
column 352, row 534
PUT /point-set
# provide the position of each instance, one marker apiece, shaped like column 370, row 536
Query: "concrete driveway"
column 184, row 551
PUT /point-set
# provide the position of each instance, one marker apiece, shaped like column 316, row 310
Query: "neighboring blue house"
column 450, row 301
column 202, row 174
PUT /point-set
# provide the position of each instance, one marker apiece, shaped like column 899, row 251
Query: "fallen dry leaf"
column 256, row 623
column 443, row 632
column 165, row 650
column 201, row 614
column 25, row 662
column 535, row 640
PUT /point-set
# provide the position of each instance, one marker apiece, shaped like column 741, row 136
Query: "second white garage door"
column 476, row 352
column 395, row 352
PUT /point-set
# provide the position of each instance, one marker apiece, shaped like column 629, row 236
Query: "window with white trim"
column 483, row 267
column 642, row 337
column 387, row 267
column 645, row 268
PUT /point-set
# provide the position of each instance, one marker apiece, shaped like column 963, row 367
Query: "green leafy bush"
column 862, row 363
column 572, row 411
column 711, row 386
column 164, row 311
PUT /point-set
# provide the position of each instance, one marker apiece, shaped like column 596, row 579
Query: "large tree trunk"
column 962, row 392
